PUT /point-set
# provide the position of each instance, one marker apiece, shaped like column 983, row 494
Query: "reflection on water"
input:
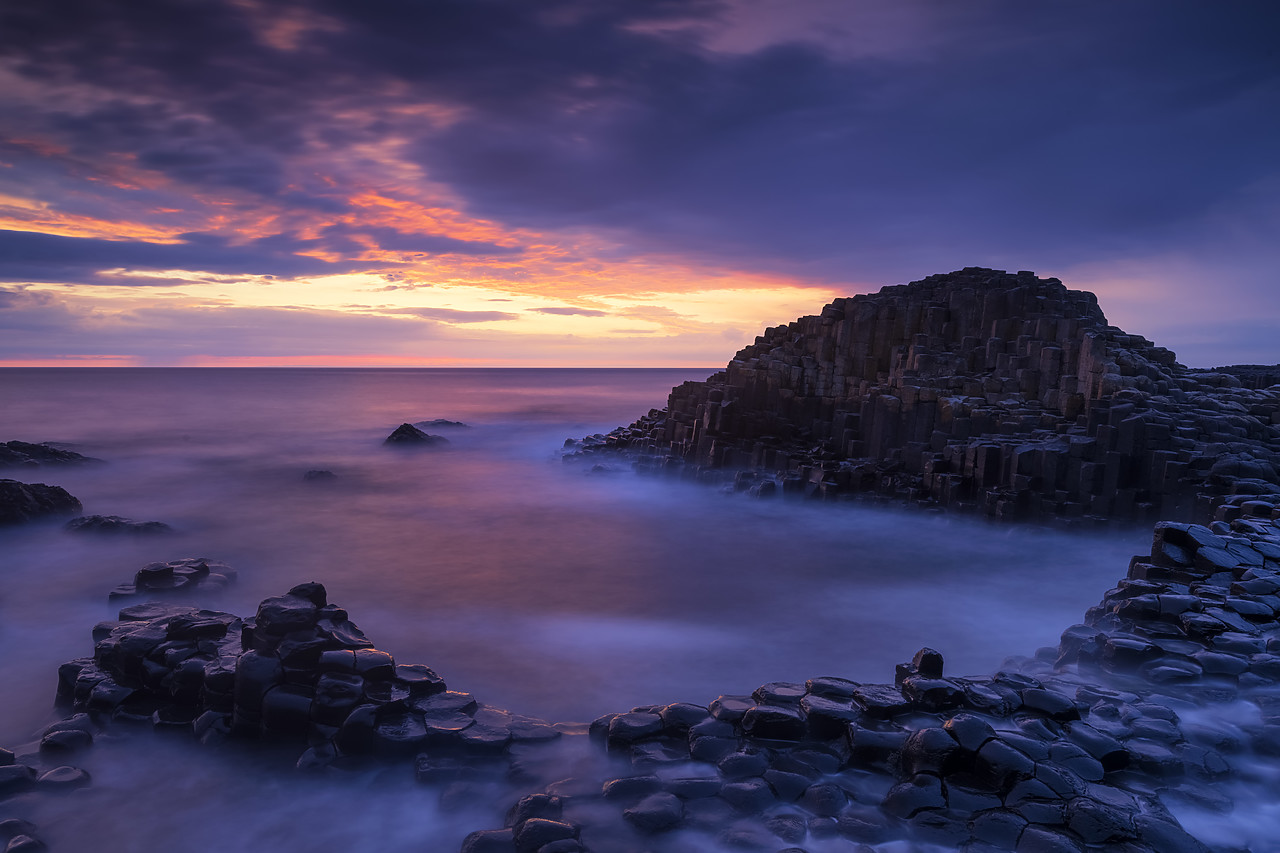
column 531, row 584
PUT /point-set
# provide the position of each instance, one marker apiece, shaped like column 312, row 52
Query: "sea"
column 546, row 588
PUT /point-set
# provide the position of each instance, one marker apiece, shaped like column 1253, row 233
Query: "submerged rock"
column 408, row 435
column 116, row 524
column 21, row 502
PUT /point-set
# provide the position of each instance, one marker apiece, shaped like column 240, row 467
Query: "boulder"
column 21, row 502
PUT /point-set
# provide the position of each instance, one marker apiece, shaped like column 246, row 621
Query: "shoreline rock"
column 20, row 502
column 28, row 455
column 976, row 390
column 116, row 525
column 1082, row 746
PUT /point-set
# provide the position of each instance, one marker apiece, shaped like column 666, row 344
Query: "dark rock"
column 15, row 778
column 115, row 524
column 27, row 455
column 63, row 779
column 928, row 663
column 65, row 742
column 921, row 792
column 11, row 828
column 656, row 813
column 1036, row 839
column 774, row 723
column 319, row 475
column 489, row 841
column 749, row 795
column 21, row 502
column 407, row 435
column 630, row 728
column 531, row 835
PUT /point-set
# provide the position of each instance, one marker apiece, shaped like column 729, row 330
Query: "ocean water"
column 538, row 586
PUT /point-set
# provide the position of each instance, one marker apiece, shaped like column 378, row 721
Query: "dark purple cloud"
column 1011, row 133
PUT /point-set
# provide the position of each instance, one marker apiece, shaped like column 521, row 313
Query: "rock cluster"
column 115, row 524
column 1079, row 748
column 299, row 670
column 28, row 455
column 21, row 502
column 977, row 389
column 176, row 577
column 408, row 435
column 1085, row 746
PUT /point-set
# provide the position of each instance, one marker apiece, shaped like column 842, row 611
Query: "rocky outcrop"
column 114, row 524
column 176, row 578
column 1081, row 747
column 978, row 389
column 408, row 435
column 299, row 670
column 28, row 455
column 21, row 502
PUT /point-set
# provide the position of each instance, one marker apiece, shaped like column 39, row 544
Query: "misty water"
column 538, row 586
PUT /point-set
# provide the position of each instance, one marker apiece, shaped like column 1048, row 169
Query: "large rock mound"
column 975, row 389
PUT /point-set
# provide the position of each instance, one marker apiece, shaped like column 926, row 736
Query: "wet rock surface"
column 976, row 390
column 20, row 502
column 176, row 577
column 114, row 524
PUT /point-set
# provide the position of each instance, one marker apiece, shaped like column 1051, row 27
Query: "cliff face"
column 974, row 389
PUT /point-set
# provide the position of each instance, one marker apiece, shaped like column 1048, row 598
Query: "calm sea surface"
column 530, row 583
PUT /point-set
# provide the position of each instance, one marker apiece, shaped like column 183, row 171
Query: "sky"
column 617, row 182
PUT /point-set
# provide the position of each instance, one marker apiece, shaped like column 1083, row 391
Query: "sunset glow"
column 410, row 185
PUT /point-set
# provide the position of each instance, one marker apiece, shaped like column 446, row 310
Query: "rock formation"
column 27, row 501
column 114, row 524
column 977, row 389
column 26, row 454
column 408, row 435
column 176, row 577
column 1083, row 746
column 299, row 670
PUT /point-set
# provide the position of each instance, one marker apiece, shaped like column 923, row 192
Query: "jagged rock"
column 115, row 524
column 408, row 435
column 21, row 502
column 975, row 390
column 319, row 475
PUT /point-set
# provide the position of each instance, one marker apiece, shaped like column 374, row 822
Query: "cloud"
column 568, row 311
column 32, row 257
column 567, row 146
column 453, row 315
column 357, row 238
